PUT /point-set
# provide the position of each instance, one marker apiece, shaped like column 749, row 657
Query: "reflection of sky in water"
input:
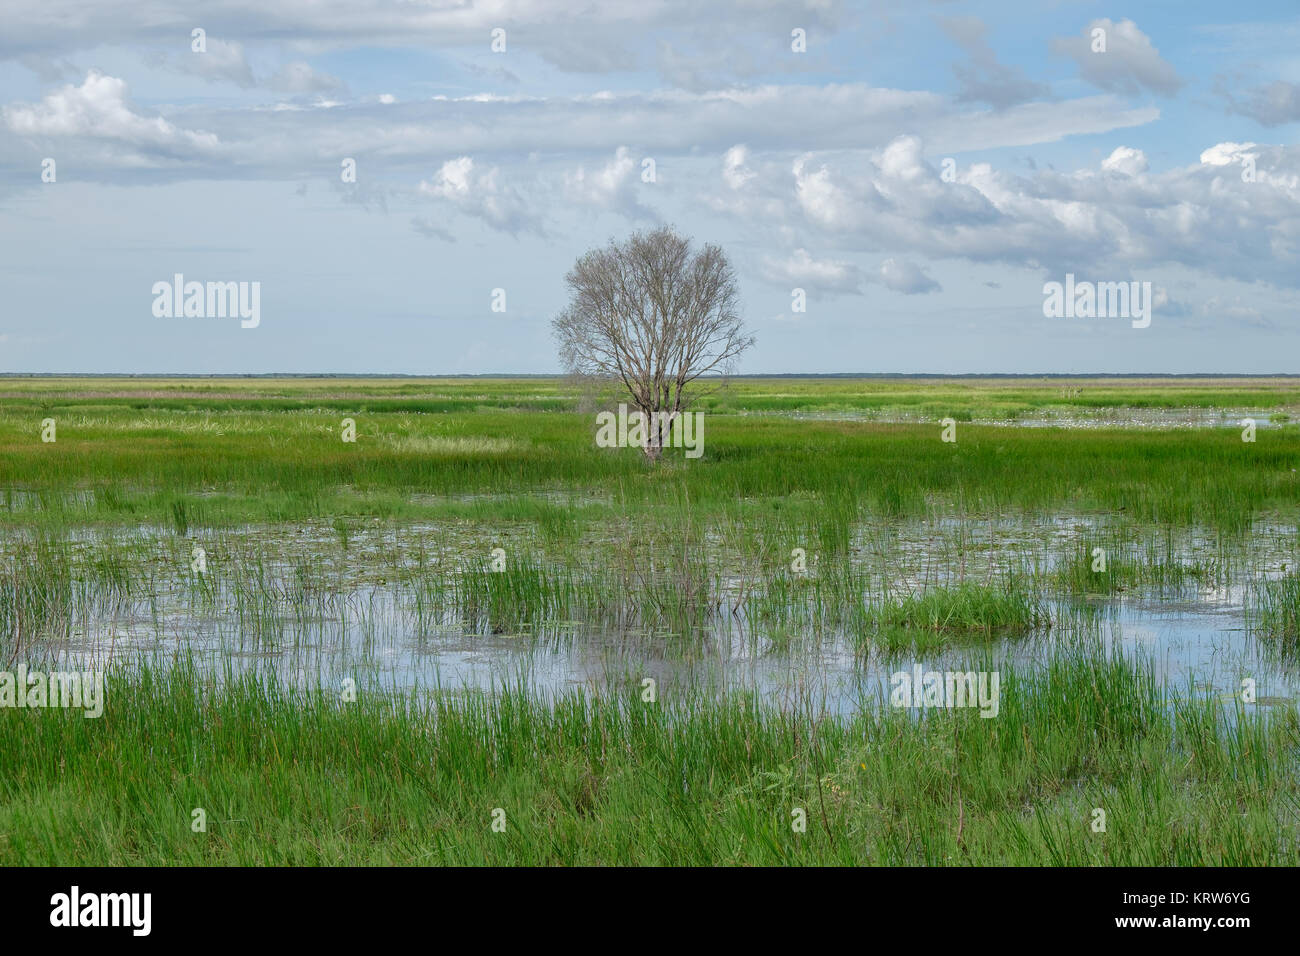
column 1187, row 642
column 358, row 619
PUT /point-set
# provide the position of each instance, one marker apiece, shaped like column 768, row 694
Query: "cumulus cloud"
column 1108, row 220
column 611, row 187
column 734, row 172
column 99, row 110
column 475, row 192
column 819, row 278
column 751, row 189
column 822, row 278
column 1127, row 161
column 1129, row 64
column 906, row 277
column 1221, row 154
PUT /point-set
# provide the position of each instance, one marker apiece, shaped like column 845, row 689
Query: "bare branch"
column 653, row 315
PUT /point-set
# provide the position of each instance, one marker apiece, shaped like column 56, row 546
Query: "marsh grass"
column 1155, row 565
column 967, row 607
column 938, row 617
column 1276, row 612
column 229, row 454
column 913, row 546
column 291, row 776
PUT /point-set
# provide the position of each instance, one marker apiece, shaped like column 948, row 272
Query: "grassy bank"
column 288, row 777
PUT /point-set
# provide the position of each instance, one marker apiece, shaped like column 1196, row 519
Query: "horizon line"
column 508, row 375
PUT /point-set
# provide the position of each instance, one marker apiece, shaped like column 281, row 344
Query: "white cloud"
column 821, row 200
column 906, row 277
column 1129, row 64
column 1109, row 220
column 611, row 187
column 750, row 189
column 452, row 181
column 98, row 109
column 1221, row 154
column 1127, row 161
column 476, row 193
column 734, row 172
column 280, row 142
column 817, row 277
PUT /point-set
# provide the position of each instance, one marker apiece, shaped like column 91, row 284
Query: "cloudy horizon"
column 408, row 183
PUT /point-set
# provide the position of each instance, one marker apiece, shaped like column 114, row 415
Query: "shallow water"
column 1135, row 418
column 371, row 635
column 318, row 608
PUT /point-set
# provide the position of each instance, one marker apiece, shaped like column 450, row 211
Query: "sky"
column 407, row 182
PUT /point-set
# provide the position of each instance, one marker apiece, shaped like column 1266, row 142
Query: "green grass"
column 966, row 607
column 912, row 545
column 224, row 453
column 937, row 616
column 1112, row 565
column 1277, row 612
column 290, row 777
column 962, row 398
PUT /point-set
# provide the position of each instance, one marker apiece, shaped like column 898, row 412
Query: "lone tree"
column 655, row 315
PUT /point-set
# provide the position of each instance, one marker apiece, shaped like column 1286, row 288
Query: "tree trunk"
column 653, row 446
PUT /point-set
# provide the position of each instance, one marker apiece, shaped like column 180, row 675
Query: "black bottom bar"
column 947, row 907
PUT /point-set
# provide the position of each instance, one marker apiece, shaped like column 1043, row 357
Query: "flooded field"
column 957, row 619
column 389, row 609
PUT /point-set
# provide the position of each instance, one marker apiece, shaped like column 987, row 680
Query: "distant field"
column 236, row 450
column 977, row 397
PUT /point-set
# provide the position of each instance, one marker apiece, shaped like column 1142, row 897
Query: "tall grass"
column 938, row 616
column 1276, row 612
column 228, row 453
column 287, row 776
column 1110, row 565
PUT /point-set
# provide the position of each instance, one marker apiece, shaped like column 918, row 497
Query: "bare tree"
column 653, row 315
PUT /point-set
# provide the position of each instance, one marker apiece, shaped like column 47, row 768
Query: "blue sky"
column 820, row 170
